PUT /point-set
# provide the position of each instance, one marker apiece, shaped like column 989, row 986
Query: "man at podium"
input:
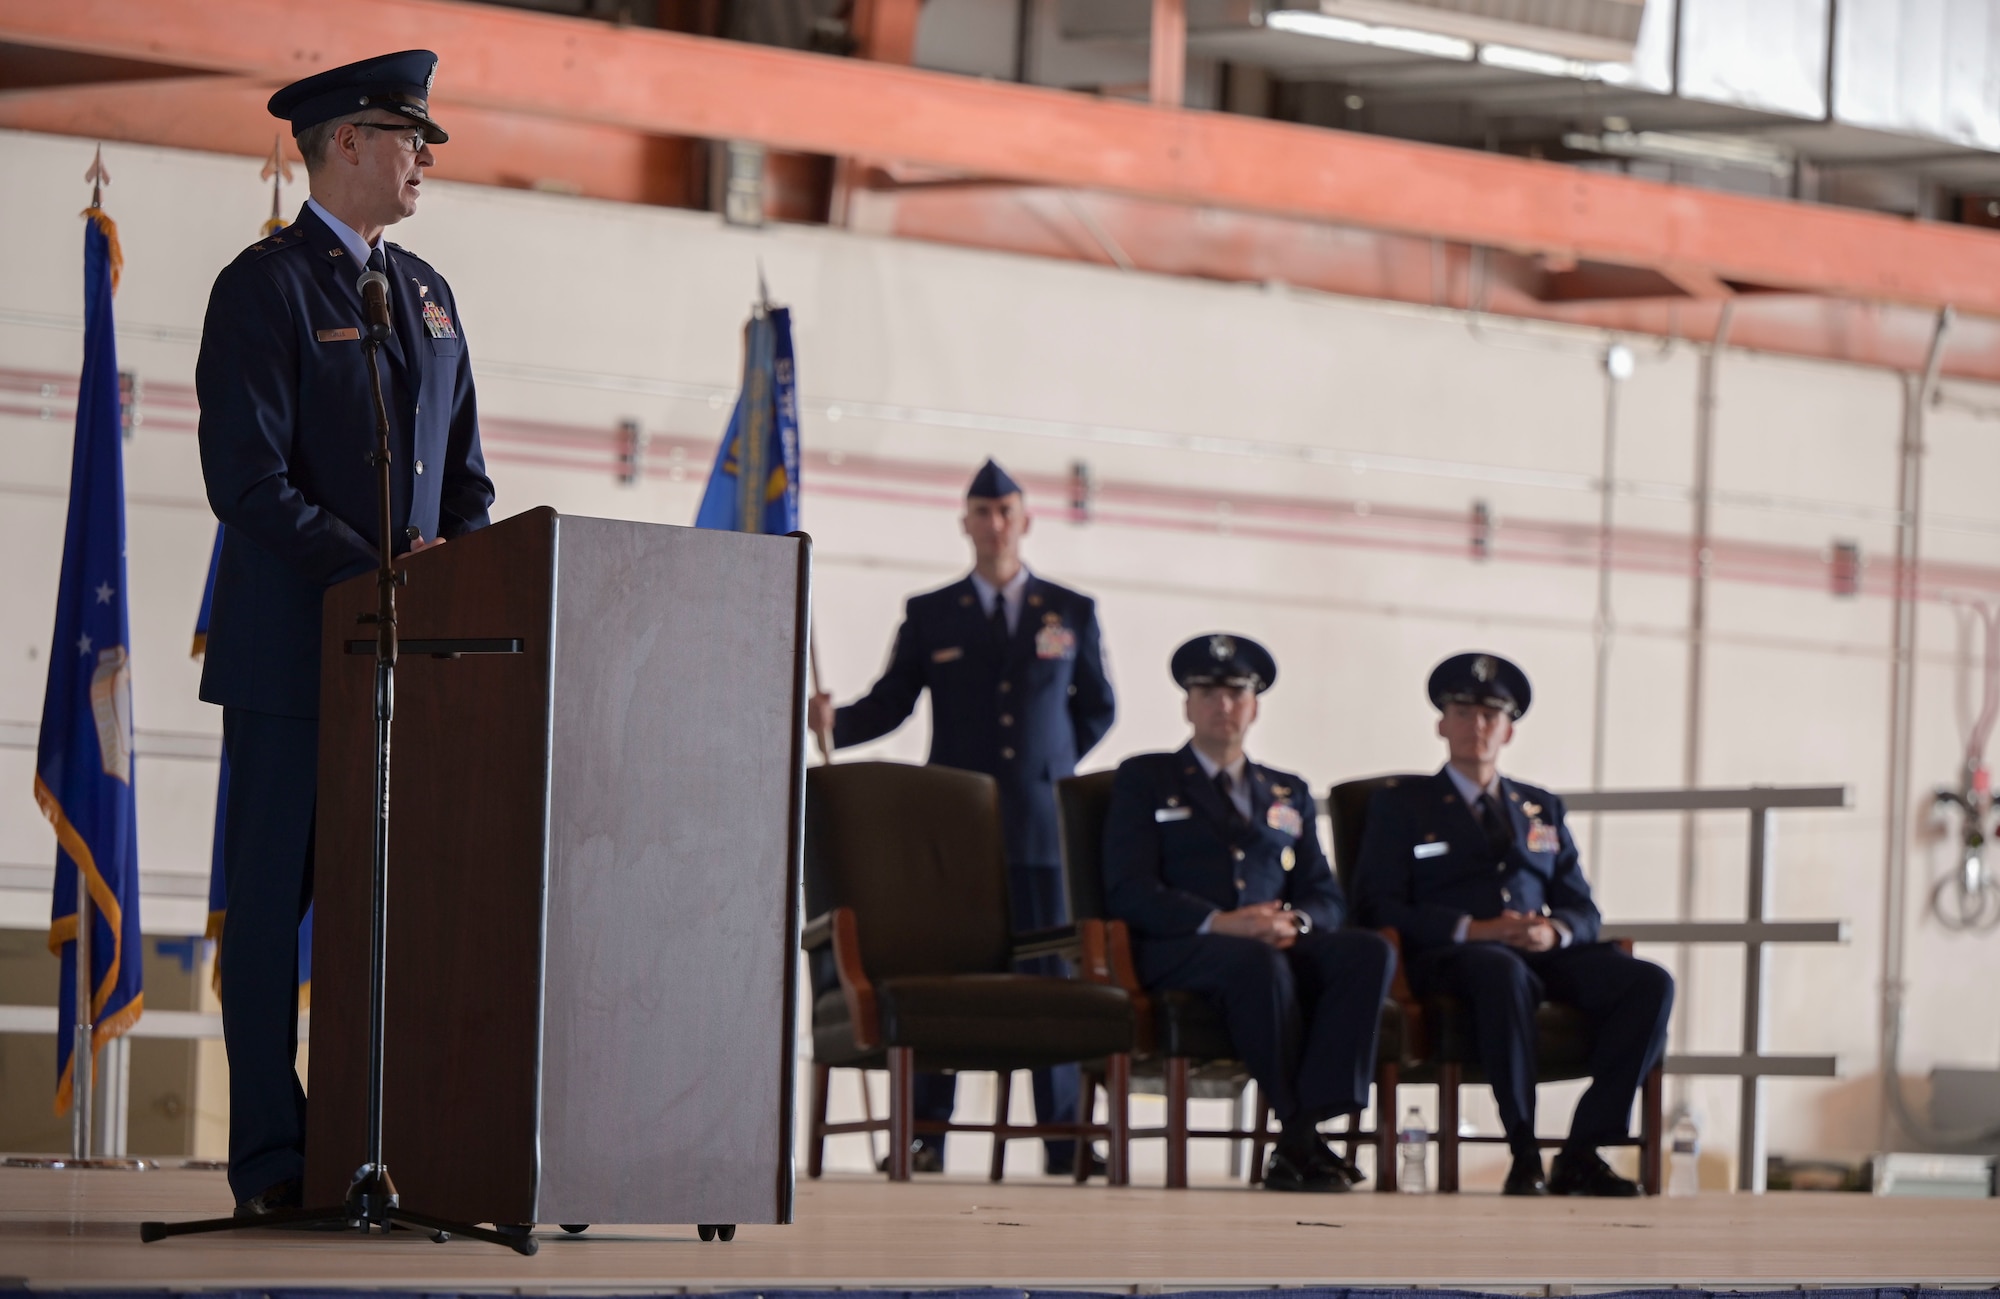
column 1018, row 691
column 287, row 430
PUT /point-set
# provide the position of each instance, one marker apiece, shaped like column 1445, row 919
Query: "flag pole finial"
column 98, row 178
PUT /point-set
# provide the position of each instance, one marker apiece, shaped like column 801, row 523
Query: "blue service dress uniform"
column 1427, row 865
column 1305, row 1021
column 1023, row 708
column 286, row 432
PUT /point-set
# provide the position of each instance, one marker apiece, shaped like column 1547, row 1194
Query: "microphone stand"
column 371, row 1197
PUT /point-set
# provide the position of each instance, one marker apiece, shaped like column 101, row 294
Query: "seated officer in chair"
column 1479, row 876
column 1215, row 864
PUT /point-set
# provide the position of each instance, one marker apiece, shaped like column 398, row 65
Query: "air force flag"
column 754, row 486
column 83, row 766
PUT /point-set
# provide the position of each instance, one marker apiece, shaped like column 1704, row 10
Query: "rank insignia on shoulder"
column 1542, row 837
column 1288, row 859
column 1285, row 819
column 438, row 322
column 1054, row 641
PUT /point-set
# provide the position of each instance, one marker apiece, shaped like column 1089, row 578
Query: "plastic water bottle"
column 1684, row 1161
column 1413, row 1144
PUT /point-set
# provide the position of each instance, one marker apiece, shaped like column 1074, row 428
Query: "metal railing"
column 1751, row 1065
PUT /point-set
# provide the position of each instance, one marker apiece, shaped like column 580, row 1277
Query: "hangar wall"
column 916, row 361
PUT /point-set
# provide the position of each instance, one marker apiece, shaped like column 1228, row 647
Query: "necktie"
column 1226, row 787
column 998, row 619
column 377, row 261
column 1499, row 834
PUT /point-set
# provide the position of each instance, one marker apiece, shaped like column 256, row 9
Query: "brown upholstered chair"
column 1439, row 1030
column 1183, row 1044
column 912, row 958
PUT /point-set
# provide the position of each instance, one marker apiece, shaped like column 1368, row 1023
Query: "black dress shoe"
column 1583, row 1173
column 288, row 1194
column 1327, row 1160
column 1525, row 1177
column 923, row 1159
column 1067, row 1167
column 1284, row 1173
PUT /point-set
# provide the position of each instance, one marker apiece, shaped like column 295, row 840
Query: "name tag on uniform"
column 348, row 335
column 1424, row 850
column 1542, row 837
column 1172, row 813
column 952, row 655
column 1285, row 819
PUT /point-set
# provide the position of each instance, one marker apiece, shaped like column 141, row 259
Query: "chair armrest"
column 839, row 928
column 1416, row 1041
column 1059, row 941
column 1624, row 945
column 1114, row 959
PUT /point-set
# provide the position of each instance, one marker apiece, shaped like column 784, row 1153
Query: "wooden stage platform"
column 79, row 1231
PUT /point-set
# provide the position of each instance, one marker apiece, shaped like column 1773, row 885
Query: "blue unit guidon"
column 83, row 763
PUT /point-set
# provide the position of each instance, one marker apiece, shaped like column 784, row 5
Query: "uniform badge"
column 1542, row 837
column 1288, row 859
column 348, row 335
column 1054, row 641
column 1532, row 809
column 1430, row 848
column 952, row 655
column 438, row 322
column 1281, row 791
column 1170, row 813
column 423, row 290
column 1285, row 819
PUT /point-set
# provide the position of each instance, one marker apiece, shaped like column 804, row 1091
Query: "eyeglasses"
column 408, row 135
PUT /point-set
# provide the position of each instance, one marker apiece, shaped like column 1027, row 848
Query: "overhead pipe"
column 1894, row 1109
column 1697, row 666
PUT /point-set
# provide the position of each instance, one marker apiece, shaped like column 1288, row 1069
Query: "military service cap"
column 992, row 482
column 1220, row 659
column 396, row 83
column 1484, row 679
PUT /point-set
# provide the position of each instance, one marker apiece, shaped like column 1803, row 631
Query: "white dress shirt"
column 1012, row 593
column 357, row 247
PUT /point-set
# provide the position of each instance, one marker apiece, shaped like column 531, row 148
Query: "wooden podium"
column 594, row 855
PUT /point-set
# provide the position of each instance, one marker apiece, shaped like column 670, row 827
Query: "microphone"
column 374, row 288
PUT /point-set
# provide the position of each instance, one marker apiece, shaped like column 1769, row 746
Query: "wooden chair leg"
column 1387, row 1077
column 1260, row 1137
column 1449, row 1077
column 1177, row 1122
column 1003, row 1115
column 1086, row 1110
column 902, row 1107
column 816, row 1137
column 1651, row 1131
column 1118, row 1110
column 868, row 1114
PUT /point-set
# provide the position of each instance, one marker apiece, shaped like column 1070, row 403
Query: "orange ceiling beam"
column 670, row 84
column 1168, row 239
column 226, row 115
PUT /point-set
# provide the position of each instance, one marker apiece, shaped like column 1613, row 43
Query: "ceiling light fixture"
column 1553, row 65
column 1408, row 39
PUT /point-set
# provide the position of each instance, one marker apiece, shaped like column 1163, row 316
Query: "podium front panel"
column 593, row 866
